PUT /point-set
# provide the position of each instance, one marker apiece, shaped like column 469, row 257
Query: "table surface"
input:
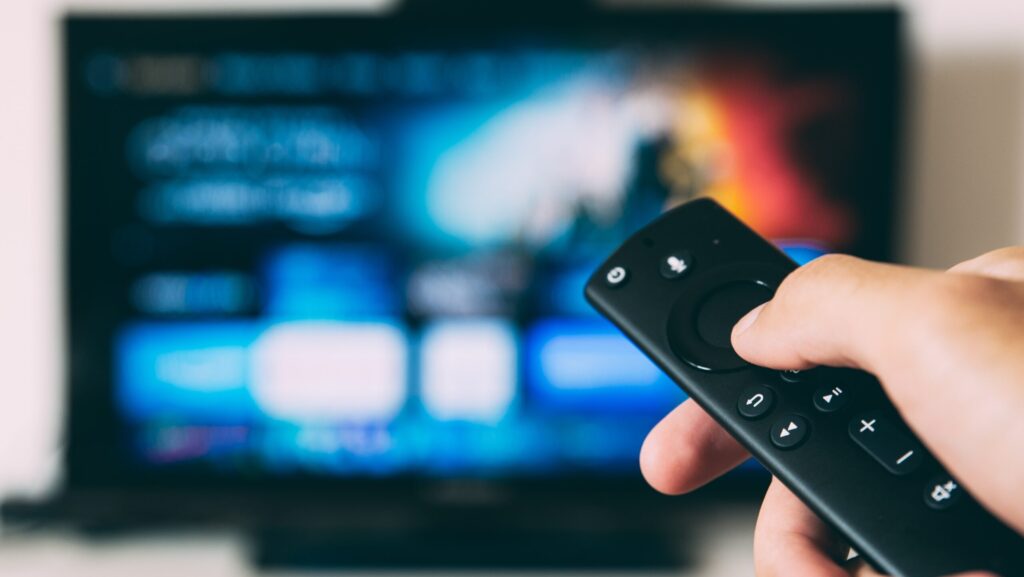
column 722, row 547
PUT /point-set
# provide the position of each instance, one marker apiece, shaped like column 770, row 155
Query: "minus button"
column 885, row 439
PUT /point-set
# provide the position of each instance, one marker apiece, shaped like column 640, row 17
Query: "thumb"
column 836, row 310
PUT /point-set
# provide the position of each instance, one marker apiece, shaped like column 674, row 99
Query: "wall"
column 966, row 181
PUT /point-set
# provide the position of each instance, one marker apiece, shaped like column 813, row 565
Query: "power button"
column 616, row 277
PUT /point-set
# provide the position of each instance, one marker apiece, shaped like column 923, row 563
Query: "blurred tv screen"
column 354, row 247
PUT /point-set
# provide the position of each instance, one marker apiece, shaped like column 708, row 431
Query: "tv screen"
column 352, row 248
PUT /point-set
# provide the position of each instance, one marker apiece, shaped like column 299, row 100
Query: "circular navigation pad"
column 700, row 323
column 724, row 307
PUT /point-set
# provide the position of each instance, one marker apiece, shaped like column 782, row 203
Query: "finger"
column 686, row 450
column 836, row 310
column 858, row 568
column 1005, row 263
column 791, row 540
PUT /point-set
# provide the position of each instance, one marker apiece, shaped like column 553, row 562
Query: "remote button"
column 725, row 307
column 792, row 375
column 676, row 265
column 884, row 441
column 942, row 492
column 755, row 402
column 789, row 431
column 616, row 277
column 700, row 322
column 829, row 399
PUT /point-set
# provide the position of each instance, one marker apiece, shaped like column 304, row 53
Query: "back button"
column 755, row 402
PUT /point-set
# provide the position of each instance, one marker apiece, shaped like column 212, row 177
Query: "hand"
column 942, row 343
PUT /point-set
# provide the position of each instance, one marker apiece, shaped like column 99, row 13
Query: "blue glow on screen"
column 802, row 252
column 586, row 365
column 334, row 397
column 563, row 294
column 194, row 372
column 331, row 281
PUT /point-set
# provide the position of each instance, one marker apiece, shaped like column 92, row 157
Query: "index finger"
column 688, row 449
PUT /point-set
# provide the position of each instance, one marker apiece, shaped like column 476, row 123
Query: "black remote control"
column 677, row 287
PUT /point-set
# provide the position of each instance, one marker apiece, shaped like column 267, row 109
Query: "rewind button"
column 789, row 431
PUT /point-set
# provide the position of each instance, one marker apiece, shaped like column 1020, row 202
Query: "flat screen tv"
column 338, row 258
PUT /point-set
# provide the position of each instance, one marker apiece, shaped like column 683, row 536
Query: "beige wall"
column 966, row 180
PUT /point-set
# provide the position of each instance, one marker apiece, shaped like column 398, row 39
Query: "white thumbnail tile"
column 469, row 370
column 321, row 371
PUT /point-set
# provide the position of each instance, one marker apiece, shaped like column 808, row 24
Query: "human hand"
column 941, row 343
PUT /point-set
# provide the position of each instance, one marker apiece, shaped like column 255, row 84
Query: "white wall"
column 967, row 180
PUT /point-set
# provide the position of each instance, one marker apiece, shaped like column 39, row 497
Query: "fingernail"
column 748, row 319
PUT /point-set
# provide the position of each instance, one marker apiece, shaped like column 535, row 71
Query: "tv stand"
column 504, row 549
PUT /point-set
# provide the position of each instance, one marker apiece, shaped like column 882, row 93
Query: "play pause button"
column 789, row 431
column 829, row 398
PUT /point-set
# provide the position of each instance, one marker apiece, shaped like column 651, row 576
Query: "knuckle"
column 834, row 259
column 950, row 291
column 952, row 302
column 1008, row 261
column 1007, row 253
column 825, row 266
column 1000, row 255
column 818, row 270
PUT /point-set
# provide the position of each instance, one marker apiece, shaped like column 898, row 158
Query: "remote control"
column 677, row 287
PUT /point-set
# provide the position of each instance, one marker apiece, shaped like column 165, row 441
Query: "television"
column 334, row 262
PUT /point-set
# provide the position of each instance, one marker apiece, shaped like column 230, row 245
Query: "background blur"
column 964, row 195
